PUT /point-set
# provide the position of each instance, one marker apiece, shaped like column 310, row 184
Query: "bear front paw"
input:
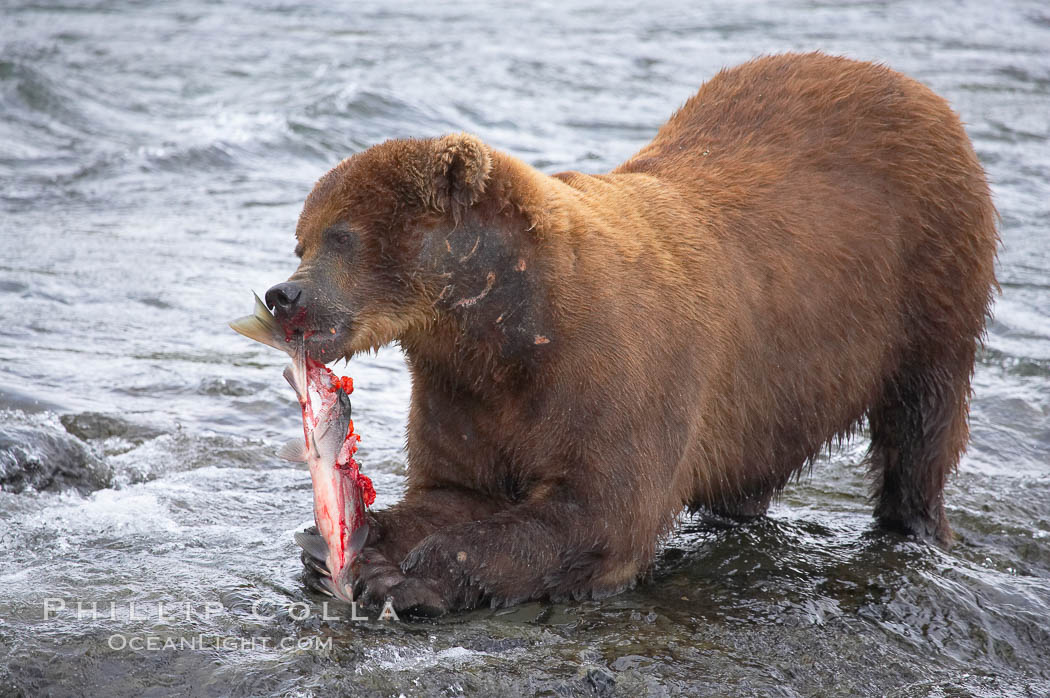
column 452, row 565
column 418, row 598
column 438, row 556
column 379, row 580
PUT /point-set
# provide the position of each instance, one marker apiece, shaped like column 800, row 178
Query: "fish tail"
column 261, row 326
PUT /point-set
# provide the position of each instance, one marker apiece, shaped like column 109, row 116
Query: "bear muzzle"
column 291, row 305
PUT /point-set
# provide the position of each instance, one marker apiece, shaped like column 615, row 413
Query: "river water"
column 153, row 159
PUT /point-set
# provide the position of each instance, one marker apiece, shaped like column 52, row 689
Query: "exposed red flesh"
column 324, row 384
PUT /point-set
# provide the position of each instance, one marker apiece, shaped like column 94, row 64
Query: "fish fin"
column 343, row 584
column 343, row 399
column 358, row 539
column 260, row 308
column 293, row 451
column 314, row 545
column 293, row 380
column 299, row 365
column 261, row 326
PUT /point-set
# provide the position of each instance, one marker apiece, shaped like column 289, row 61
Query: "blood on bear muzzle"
column 297, row 309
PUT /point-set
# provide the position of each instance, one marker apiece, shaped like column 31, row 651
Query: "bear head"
column 414, row 239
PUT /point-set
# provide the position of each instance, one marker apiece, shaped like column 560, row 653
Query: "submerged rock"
column 91, row 426
column 38, row 455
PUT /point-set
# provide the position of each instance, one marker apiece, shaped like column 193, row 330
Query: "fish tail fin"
column 261, row 326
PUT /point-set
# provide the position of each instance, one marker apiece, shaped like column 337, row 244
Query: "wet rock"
column 91, row 426
column 495, row 645
column 42, row 457
column 629, row 662
column 601, row 681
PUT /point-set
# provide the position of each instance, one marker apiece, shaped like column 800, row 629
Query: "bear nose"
column 283, row 296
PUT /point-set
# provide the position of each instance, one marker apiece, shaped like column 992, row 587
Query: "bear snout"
column 298, row 307
column 288, row 302
column 283, row 298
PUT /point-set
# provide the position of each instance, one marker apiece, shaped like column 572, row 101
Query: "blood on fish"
column 326, row 384
column 368, row 492
column 341, row 492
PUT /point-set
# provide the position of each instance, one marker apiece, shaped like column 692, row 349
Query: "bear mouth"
column 327, row 343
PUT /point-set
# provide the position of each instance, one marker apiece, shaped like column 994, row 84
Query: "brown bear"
column 809, row 242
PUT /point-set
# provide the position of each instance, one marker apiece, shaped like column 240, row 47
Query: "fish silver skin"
column 327, row 448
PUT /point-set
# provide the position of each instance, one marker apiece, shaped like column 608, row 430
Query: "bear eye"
column 340, row 236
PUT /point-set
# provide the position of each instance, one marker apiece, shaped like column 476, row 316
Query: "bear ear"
column 462, row 165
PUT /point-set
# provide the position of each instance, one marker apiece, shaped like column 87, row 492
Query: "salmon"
column 341, row 492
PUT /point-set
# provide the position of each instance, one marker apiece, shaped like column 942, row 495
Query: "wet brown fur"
column 808, row 242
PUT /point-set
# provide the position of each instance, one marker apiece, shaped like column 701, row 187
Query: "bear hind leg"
column 918, row 432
